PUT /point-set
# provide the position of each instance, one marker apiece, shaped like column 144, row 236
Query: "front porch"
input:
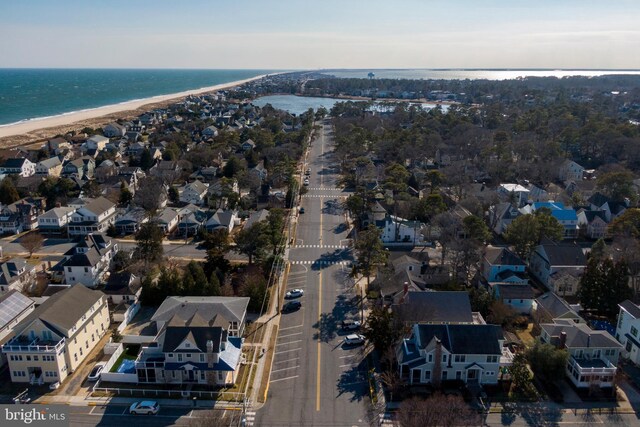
column 591, row 372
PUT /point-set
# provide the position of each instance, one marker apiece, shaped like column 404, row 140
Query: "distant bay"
column 470, row 74
column 295, row 104
column 27, row 94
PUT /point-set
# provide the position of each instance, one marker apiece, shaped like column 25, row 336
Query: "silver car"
column 146, row 407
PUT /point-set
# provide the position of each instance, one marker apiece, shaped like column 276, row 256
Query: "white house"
column 210, row 132
column 19, row 166
column 395, row 229
column 95, row 143
column 94, row 217
column 513, row 193
column 437, row 353
column 55, row 221
column 89, row 260
column 123, row 287
column 222, row 220
column 16, row 274
column 194, row 192
column 627, row 330
column 14, row 307
column 593, row 355
column 167, row 220
column 593, row 223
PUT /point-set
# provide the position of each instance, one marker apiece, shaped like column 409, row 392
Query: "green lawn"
column 130, row 353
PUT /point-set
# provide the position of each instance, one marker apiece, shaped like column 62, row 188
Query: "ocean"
column 27, row 94
column 471, row 74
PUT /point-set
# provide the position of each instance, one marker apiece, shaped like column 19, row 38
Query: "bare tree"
column 32, row 242
column 439, row 410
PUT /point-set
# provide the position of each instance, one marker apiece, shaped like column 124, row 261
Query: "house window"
column 430, row 358
column 202, row 358
column 609, row 352
column 75, row 356
column 179, row 357
column 460, row 358
column 634, row 331
column 170, row 355
column 492, row 359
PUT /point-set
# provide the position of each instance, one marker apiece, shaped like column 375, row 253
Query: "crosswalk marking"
column 386, row 419
column 320, row 262
column 250, row 417
column 325, row 189
column 328, row 196
column 321, row 246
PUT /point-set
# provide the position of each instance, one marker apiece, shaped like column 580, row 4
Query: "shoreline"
column 34, row 130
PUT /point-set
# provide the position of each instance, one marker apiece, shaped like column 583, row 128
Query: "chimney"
column 210, row 360
column 437, row 365
column 563, row 340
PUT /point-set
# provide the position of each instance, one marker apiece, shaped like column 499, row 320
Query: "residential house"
column 501, row 215
column 94, row 217
column 94, row 145
column 515, row 194
column 191, row 223
column 194, row 192
column 55, row 221
column 248, row 145
column 232, row 309
column 519, row 297
column 10, row 221
column 499, row 264
column 81, row 168
column 106, row 170
column 627, row 330
column 612, row 209
column 49, row 167
column 205, row 174
column 222, row 220
column 16, row 274
column 446, row 307
column 167, row 220
column 593, row 223
column 28, row 210
column 56, row 337
column 123, row 287
column 570, row 171
column 210, row 132
column 131, row 221
column 558, row 266
column 437, row 353
column 566, row 216
column 89, row 260
column 14, row 307
column 136, row 149
column 167, row 170
column 58, row 146
column 114, row 130
column 259, row 171
column 18, row 166
column 593, row 355
column 549, row 307
column 256, row 217
column 396, row 229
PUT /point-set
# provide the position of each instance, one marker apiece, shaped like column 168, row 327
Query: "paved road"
column 315, row 380
column 118, row 415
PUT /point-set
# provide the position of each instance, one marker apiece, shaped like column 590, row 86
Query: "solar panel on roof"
column 11, row 307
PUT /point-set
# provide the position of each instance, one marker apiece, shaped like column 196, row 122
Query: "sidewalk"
column 125, row 401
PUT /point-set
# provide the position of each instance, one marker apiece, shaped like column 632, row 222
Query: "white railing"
column 33, row 347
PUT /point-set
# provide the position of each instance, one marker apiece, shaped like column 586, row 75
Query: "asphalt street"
column 316, row 380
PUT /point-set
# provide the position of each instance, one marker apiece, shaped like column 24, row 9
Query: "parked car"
column 301, row 210
column 354, row 339
column 294, row 293
column 94, row 375
column 146, row 407
column 350, row 325
column 306, row 181
column 291, row 306
column 307, row 172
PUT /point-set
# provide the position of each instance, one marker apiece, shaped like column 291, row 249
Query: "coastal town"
column 364, row 264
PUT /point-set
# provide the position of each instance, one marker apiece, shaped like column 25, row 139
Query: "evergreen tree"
column 8, row 192
column 213, row 287
column 604, row 285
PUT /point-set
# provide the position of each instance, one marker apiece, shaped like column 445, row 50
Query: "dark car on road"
column 291, row 306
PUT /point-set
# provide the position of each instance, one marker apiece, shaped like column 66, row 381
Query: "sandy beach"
column 40, row 129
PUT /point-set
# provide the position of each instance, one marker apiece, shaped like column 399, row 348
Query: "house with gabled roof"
column 567, row 217
column 612, row 209
column 49, row 167
column 88, row 261
column 435, row 353
column 14, row 307
column 549, row 307
column 518, row 296
column 20, row 166
column 558, row 266
column 499, row 264
column 443, row 307
column 94, row 216
column 16, row 274
column 54, row 339
column 222, row 220
column 113, row 130
column 194, row 192
column 593, row 223
column 501, row 215
column 248, row 145
column 570, row 171
column 167, row 220
column 55, row 221
column 593, row 355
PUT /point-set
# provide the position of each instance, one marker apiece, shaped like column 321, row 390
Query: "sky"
column 303, row 34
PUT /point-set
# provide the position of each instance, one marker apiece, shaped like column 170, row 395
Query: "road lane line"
column 290, row 335
column 286, row 369
column 287, row 343
column 292, row 327
column 283, row 379
column 319, row 334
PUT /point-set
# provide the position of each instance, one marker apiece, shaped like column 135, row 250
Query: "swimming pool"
column 127, row 366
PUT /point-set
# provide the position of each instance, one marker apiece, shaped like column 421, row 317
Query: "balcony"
column 22, row 344
column 592, row 366
column 506, row 359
